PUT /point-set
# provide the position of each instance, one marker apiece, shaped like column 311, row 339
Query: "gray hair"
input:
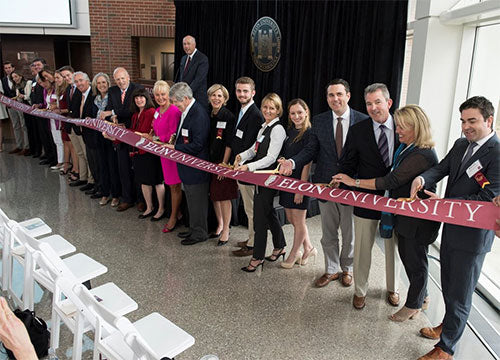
column 95, row 92
column 180, row 90
column 119, row 68
column 85, row 76
column 378, row 86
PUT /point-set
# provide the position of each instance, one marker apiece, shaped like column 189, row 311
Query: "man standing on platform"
column 192, row 138
column 193, row 70
column 119, row 99
column 326, row 145
column 245, row 133
column 370, row 147
column 473, row 170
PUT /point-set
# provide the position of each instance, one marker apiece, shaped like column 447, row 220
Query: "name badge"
column 156, row 114
column 221, row 124
column 261, row 139
column 239, row 133
column 185, row 132
column 474, row 168
column 61, row 97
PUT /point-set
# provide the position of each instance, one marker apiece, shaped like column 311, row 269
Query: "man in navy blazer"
column 463, row 248
column 119, row 100
column 370, row 147
column 328, row 136
column 192, row 139
column 193, row 70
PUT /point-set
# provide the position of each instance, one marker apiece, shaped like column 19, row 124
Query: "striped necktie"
column 383, row 145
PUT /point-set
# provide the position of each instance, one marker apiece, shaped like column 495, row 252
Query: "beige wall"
column 153, row 46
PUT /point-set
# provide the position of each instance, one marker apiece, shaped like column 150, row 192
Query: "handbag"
column 37, row 331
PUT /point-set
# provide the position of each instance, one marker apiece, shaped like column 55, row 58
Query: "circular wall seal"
column 265, row 41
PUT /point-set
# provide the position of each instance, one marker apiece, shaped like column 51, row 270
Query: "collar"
column 485, row 139
column 389, row 123
column 270, row 123
column 345, row 116
column 124, row 91
column 189, row 107
column 245, row 108
column 86, row 93
column 194, row 52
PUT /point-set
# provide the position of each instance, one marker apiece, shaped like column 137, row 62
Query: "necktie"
column 123, row 96
column 81, row 105
column 239, row 117
column 383, row 145
column 467, row 156
column 339, row 133
column 71, row 92
column 187, row 65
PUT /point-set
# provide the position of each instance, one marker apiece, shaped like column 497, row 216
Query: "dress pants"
column 93, row 161
column 247, row 194
column 413, row 255
column 197, row 202
column 83, row 166
column 460, row 272
column 109, row 178
column 56, row 135
column 33, row 135
column 126, row 173
column 48, row 145
column 265, row 217
column 19, row 127
column 333, row 216
column 364, row 238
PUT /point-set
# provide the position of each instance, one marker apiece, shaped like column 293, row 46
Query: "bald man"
column 118, row 108
column 193, row 70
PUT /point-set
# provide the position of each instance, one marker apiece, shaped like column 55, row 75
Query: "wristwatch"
column 357, row 182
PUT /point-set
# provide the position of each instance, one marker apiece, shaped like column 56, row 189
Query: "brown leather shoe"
column 436, row 354
column 124, row 206
column 433, row 333
column 393, row 298
column 358, row 302
column 141, row 207
column 244, row 251
column 242, row 243
column 326, row 278
column 346, row 279
column 15, row 151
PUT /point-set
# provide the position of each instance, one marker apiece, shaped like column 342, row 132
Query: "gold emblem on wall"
column 265, row 41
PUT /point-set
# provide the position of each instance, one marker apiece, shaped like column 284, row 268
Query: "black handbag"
column 37, row 330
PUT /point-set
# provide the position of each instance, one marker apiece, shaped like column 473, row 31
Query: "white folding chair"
column 35, row 227
column 109, row 295
column 152, row 337
column 81, row 266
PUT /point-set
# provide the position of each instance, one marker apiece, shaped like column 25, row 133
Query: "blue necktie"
column 239, row 117
column 467, row 156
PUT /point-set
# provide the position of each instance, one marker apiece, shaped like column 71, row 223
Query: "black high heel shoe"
column 251, row 268
column 273, row 257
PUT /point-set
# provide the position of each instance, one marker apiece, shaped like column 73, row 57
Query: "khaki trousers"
column 247, row 192
column 79, row 145
column 364, row 237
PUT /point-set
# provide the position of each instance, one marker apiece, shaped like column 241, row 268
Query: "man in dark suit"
column 83, row 104
column 370, row 147
column 192, row 138
column 193, row 70
column 249, row 123
column 473, row 170
column 328, row 136
column 118, row 108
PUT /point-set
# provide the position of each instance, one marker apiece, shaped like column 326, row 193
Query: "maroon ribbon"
column 477, row 214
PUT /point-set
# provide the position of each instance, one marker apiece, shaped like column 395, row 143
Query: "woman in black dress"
column 222, row 190
column 414, row 156
column 299, row 127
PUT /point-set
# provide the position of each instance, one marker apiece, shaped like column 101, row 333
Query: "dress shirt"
column 346, row 118
column 278, row 136
column 244, row 109
column 480, row 143
column 389, row 132
column 190, row 58
column 183, row 116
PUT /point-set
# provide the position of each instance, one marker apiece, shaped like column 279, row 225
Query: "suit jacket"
column 89, row 110
column 71, row 107
column 197, row 125
column 322, row 146
column 36, row 95
column 362, row 160
column 122, row 111
column 460, row 186
column 10, row 92
column 249, row 126
column 195, row 76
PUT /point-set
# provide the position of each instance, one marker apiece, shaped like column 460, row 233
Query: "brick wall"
column 115, row 26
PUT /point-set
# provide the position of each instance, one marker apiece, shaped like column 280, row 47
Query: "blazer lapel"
column 483, row 150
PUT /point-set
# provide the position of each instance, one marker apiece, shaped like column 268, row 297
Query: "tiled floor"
column 273, row 314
